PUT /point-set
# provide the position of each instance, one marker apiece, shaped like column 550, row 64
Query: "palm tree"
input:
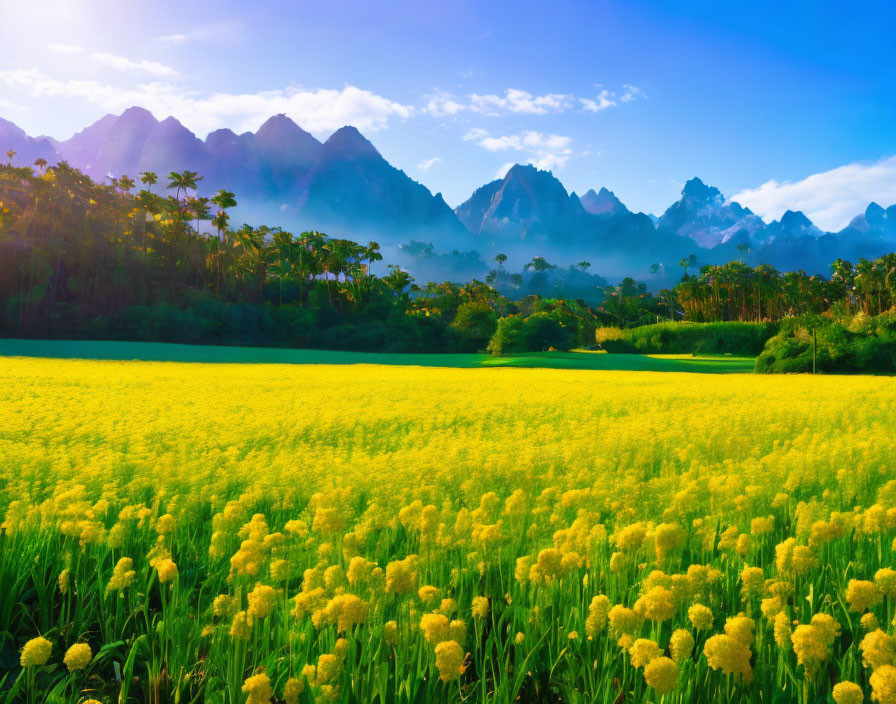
column 371, row 255
column 125, row 184
column 185, row 182
column 501, row 258
column 9, row 155
column 149, row 179
column 224, row 200
column 41, row 164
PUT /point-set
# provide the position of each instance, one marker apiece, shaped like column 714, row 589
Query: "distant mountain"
column 706, row 217
column 603, row 202
column 283, row 175
column 350, row 187
column 27, row 149
column 526, row 205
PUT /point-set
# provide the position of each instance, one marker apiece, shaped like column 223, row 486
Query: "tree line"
column 160, row 262
column 150, row 258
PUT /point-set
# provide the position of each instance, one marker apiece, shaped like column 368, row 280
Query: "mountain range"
column 343, row 186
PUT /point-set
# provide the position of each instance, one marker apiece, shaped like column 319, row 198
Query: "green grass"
column 163, row 352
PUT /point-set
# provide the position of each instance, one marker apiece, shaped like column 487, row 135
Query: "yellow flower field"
column 298, row 533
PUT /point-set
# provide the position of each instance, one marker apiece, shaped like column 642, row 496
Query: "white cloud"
column 226, row 32
column 475, row 134
column 632, row 92
column 442, row 104
column 65, row 48
column 9, row 105
column 602, row 102
column 519, row 101
column 429, row 163
column 831, row 198
column 317, row 110
column 529, row 139
column 173, row 39
column 549, row 151
column 122, row 63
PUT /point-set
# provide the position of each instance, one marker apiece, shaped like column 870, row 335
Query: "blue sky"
column 782, row 104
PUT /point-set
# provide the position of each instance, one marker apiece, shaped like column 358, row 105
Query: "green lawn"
column 162, row 352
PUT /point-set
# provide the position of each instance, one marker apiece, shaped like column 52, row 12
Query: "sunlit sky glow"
column 779, row 103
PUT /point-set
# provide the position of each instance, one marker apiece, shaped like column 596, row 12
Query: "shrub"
column 856, row 344
column 747, row 339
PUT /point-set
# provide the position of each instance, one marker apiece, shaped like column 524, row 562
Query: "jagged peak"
column 281, row 126
column 349, row 139
column 795, row 219
column 135, row 111
column 696, row 189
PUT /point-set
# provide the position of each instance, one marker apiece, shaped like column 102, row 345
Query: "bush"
column 746, row 339
column 509, row 336
column 477, row 322
column 857, row 344
column 544, row 332
column 535, row 333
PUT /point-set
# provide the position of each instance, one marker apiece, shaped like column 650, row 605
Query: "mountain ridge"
column 345, row 185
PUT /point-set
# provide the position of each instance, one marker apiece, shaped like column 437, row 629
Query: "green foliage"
column 735, row 338
column 477, row 320
column 848, row 344
column 538, row 332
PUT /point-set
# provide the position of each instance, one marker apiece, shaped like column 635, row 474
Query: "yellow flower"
column 165, row 524
column 741, row 629
column 883, row 684
column 167, row 570
column 828, row 626
column 78, row 657
column 261, row 601
column 390, row 632
column 241, row 626
column 752, row 581
column 762, row 525
column 63, row 580
column 862, row 595
column 329, row 666
column 428, row 594
column 225, row 605
column 401, row 577
column 729, row 655
column 519, row 638
column 434, row 627
column 36, row 652
column 701, row 617
column 869, row 622
column 597, row 615
column 782, row 630
column 681, row 644
column 885, row 579
column 878, row 649
column 810, row 646
column 258, row 687
column 122, row 575
column 661, row 674
column 292, row 689
column 643, row 651
column 457, row 631
column 449, row 660
column 624, row 620
column 847, row 693
column 656, row 605
column 480, row 607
